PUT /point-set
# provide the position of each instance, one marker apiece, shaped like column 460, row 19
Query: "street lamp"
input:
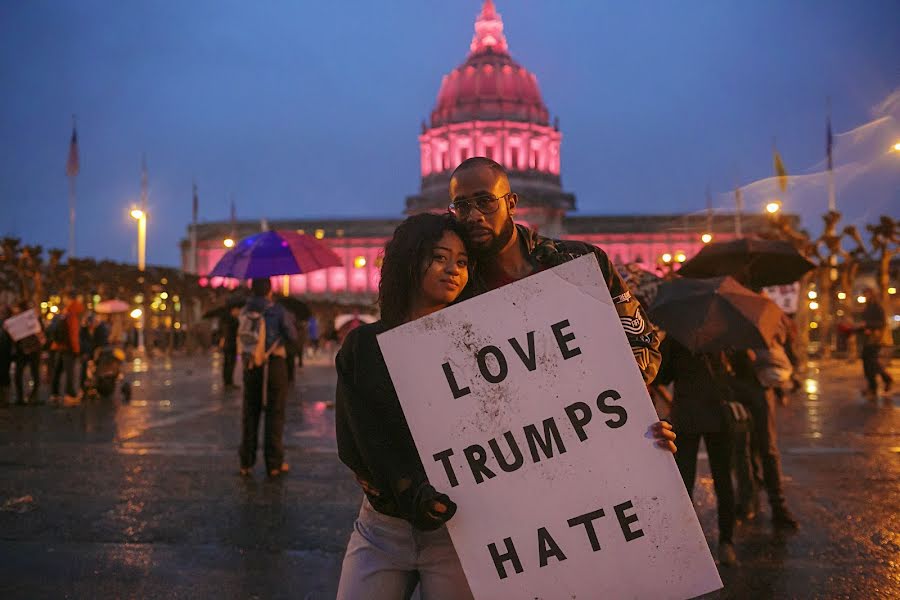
column 141, row 217
column 229, row 243
column 680, row 257
column 667, row 258
column 706, row 238
column 896, row 147
column 773, row 207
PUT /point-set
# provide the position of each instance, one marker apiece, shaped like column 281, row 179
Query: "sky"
column 312, row 109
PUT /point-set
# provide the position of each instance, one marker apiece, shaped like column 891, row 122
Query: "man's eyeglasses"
column 486, row 205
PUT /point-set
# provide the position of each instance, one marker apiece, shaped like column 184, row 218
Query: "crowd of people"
column 69, row 342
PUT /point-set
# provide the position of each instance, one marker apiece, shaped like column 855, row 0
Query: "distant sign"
column 787, row 297
column 529, row 411
column 22, row 325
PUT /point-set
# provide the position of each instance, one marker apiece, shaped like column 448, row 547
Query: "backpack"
column 772, row 366
column 251, row 337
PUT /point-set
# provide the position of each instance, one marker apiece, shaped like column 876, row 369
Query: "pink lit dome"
column 490, row 85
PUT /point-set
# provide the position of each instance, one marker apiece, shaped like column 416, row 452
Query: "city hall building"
column 490, row 105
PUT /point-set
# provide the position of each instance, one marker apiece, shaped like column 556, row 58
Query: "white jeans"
column 386, row 557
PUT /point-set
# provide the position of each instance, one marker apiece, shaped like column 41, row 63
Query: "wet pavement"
column 143, row 500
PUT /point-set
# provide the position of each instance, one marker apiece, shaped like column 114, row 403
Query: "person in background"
column 67, row 345
column 264, row 330
column 873, row 327
column 312, row 330
column 228, row 329
column 28, row 355
column 758, row 379
column 94, row 335
column 701, row 389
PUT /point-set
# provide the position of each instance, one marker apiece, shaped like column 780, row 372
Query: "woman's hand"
column 664, row 436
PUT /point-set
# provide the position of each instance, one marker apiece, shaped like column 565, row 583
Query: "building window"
column 489, row 152
column 514, row 157
column 463, row 154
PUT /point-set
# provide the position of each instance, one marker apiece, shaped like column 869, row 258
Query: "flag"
column 829, row 145
column 196, row 205
column 72, row 165
column 780, row 172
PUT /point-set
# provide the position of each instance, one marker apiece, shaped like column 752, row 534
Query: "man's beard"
column 496, row 243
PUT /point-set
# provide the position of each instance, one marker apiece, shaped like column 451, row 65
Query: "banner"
column 529, row 411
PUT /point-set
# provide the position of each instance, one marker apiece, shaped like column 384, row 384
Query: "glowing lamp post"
column 706, row 238
column 228, row 242
column 141, row 217
column 773, row 207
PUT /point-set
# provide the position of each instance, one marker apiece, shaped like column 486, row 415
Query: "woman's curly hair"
column 405, row 256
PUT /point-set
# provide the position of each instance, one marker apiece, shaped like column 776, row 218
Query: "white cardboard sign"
column 22, row 325
column 529, row 411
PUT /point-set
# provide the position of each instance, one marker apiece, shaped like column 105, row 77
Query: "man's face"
column 488, row 233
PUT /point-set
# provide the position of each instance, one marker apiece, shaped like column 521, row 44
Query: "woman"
column 399, row 539
column 698, row 411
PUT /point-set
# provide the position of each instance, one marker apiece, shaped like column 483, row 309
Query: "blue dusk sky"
column 312, row 109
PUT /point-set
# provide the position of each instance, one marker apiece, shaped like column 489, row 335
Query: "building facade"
column 488, row 106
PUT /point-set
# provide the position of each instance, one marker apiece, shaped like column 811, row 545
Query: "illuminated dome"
column 491, row 106
column 490, row 85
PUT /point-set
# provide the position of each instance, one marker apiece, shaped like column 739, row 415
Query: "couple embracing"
column 399, row 540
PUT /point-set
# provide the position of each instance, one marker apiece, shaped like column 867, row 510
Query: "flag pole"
column 829, row 144
column 72, row 202
column 194, row 209
column 72, row 168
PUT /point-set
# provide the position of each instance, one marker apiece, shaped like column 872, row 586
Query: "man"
column 264, row 331
column 28, row 354
column 228, row 329
column 506, row 252
column 94, row 334
column 873, row 327
column 482, row 200
column 67, row 346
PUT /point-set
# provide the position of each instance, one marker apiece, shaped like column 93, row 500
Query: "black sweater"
column 372, row 434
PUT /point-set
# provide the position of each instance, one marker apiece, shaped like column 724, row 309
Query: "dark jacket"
column 702, row 385
column 547, row 253
column 228, row 327
column 372, row 434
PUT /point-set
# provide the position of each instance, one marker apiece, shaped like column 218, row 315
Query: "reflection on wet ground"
column 142, row 498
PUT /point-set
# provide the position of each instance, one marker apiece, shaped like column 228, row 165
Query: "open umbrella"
column 299, row 308
column 273, row 253
column 753, row 262
column 109, row 307
column 707, row 315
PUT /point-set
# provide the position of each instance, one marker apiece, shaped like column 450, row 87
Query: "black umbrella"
column 299, row 309
column 220, row 311
column 753, row 262
column 707, row 315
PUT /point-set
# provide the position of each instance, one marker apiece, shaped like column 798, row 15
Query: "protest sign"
column 529, row 411
column 22, row 325
column 785, row 296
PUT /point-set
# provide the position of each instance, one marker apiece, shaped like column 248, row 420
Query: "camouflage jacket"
column 642, row 336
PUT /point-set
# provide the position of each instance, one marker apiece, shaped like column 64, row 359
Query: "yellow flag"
column 780, row 172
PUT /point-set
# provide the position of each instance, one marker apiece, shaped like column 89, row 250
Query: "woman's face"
column 446, row 271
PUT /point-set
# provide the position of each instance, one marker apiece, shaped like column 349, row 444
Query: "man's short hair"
column 261, row 286
column 480, row 161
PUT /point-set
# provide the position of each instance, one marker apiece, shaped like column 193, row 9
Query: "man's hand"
column 664, row 436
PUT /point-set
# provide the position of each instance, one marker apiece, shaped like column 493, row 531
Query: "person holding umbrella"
column 264, row 331
column 703, row 318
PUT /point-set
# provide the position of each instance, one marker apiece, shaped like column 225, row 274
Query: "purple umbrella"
column 273, row 253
